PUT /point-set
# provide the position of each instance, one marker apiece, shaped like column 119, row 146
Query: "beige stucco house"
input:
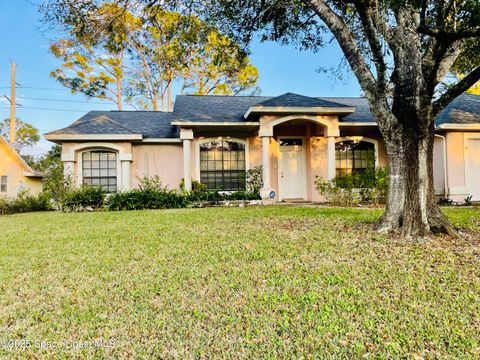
column 215, row 139
column 15, row 174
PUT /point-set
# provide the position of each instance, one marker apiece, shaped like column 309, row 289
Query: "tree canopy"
column 26, row 134
column 133, row 55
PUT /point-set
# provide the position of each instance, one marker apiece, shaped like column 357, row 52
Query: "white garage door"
column 473, row 168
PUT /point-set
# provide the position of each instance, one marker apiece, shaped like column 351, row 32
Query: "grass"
column 273, row 282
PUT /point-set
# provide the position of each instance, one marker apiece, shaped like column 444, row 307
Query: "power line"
column 49, row 109
column 36, row 88
column 72, row 101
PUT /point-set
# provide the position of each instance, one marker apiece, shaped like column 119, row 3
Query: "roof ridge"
column 288, row 95
column 230, row 96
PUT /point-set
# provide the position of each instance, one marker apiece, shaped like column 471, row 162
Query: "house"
column 15, row 174
column 215, row 139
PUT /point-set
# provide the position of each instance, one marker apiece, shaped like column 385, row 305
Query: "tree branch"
column 449, row 36
column 456, row 90
column 367, row 19
column 347, row 42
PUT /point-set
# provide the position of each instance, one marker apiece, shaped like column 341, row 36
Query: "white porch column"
column 125, row 161
column 186, row 135
column 331, row 158
column 267, row 177
column 266, row 161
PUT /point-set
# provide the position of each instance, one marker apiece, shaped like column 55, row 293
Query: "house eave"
column 89, row 137
column 464, row 127
column 32, row 174
column 162, row 141
column 357, row 123
column 215, row 123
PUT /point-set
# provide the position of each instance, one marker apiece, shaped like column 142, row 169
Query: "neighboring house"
column 215, row 139
column 15, row 174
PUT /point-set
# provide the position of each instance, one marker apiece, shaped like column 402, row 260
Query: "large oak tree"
column 400, row 51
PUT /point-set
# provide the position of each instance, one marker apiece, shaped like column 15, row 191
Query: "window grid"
column 100, row 169
column 352, row 157
column 222, row 165
column 3, row 183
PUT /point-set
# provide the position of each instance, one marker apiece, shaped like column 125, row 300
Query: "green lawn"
column 264, row 282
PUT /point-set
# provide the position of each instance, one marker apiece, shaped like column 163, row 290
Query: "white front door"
column 292, row 179
column 473, row 168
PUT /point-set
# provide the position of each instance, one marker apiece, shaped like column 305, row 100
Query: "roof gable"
column 295, row 100
column 148, row 124
column 17, row 158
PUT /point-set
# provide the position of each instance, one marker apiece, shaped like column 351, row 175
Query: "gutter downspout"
column 445, row 172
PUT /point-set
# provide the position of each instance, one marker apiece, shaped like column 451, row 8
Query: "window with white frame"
column 222, row 165
column 3, row 183
column 99, row 169
column 353, row 156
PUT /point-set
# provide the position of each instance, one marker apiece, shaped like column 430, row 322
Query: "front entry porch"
column 295, row 150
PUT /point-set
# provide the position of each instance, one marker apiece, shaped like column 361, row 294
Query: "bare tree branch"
column 367, row 18
column 456, row 90
column 449, row 36
column 347, row 42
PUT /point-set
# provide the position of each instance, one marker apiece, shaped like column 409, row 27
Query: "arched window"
column 353, row 156
column 222, row 165
column 99, row 169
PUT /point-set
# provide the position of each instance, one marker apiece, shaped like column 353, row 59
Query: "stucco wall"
column 164, row 160
column 438, row 166
column 456, row 166
column 16, row 181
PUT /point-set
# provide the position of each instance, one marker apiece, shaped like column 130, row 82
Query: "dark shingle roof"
column 465, row 109
column 213, row 108
column 216, row 108
column 295, row 100
column 151, row 124
column 362, row 110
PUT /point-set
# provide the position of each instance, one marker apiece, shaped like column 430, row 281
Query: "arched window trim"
column 219, row 138
column 362, row 138
column 79, row 160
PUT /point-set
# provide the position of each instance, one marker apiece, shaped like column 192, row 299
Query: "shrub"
column 25, row 202
column 146, row 198
column 215, row 196
column 151, row 183
column 242, row 195
column 254, row 179
column 85, row 196
column 196, row 186
column 369, row 187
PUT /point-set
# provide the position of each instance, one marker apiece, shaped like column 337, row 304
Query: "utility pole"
column 13, row 120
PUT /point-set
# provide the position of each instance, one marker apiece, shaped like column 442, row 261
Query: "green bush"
column 85, row 196
column 368, row 187
column 254, row 179
column 242, row 195
column 200, row 193
column 141, row 199
column 196, row 186
column 25, row 202
column 216, row 197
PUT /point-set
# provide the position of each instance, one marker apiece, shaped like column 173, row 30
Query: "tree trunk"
column 119, row 93
column 412, row 211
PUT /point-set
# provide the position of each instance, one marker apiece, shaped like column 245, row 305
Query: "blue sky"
column 48, row 106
